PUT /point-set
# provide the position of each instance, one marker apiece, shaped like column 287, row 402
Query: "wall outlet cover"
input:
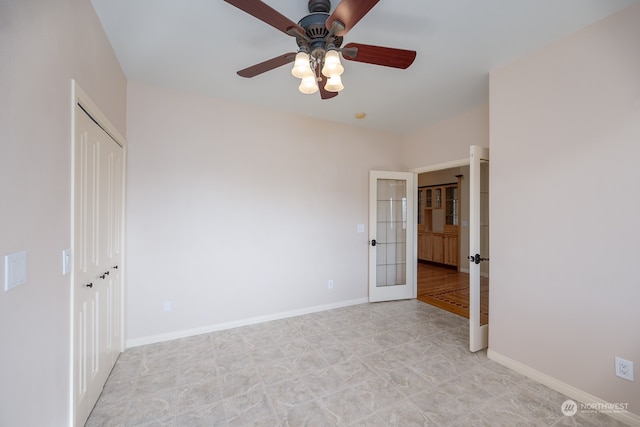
column 624, row 368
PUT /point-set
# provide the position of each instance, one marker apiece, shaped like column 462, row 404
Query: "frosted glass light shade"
column 308, row 85
column 301, row 67
column 332, row 66
column 334, row 84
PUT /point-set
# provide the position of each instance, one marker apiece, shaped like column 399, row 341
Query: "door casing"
column 477, row 337
column 80, row 98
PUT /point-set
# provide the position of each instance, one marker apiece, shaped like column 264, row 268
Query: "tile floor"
column 402, row 363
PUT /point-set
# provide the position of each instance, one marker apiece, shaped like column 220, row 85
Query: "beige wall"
column 44, row 45
column 236, row 212
column 565, row 132
column 447, row 140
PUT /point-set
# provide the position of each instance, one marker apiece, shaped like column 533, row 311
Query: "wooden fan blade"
column 349, row 12
column 267, row 65
column 378, row 55
column 267, row 14
column 324, row 94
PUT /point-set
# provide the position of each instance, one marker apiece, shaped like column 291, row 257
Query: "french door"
column 97, row 249
column 478, row 248
column 392, row 260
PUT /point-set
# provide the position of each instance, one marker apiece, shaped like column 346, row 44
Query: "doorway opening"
column 443, row 239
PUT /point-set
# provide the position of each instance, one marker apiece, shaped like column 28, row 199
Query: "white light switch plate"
column 15, row 270
column 66, row 262
column 360, row 228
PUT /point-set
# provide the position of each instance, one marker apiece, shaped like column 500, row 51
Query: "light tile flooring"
column 402, row 363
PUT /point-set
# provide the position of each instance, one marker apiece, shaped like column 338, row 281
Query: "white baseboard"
column 626, row 417
column 136, row 342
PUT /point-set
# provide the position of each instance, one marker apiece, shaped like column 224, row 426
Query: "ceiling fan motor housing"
column 317, row 36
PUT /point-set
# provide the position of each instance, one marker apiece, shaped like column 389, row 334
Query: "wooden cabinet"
column 438, row 218
column 422, row 246
column 437, row 245
column 425, row 246
column 450, row 247
column 451, row 205
column 428, row 238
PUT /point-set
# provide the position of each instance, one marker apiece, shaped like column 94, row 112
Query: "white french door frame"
column 81, row 98
column 405, row 285
column 478, row 335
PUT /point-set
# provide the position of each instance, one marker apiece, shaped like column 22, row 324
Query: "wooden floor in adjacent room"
column 448, row 289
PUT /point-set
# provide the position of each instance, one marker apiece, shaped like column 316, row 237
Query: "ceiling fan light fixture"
column 332, row 66
column 334, row 84
column 319, row 36
column 308, row 85
column 301, row 66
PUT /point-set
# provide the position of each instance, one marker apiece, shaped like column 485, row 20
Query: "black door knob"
column 90, row 285
column 373, row 242
column 476, row 259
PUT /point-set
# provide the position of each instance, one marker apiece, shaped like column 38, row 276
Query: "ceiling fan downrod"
column 319, row 6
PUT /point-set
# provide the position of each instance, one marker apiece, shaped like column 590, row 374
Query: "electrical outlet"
column 167, row 306
column 624, row 368
column 330, row 284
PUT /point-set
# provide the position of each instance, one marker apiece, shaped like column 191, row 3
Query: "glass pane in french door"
column 484, row 242
column 391, row 232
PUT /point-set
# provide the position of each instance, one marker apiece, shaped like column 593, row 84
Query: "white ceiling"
column 198, row 45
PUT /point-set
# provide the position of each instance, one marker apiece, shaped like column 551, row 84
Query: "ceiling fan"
column 319, row 36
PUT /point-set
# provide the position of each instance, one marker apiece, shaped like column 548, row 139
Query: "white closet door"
column 111, row 192
column 97, row 289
